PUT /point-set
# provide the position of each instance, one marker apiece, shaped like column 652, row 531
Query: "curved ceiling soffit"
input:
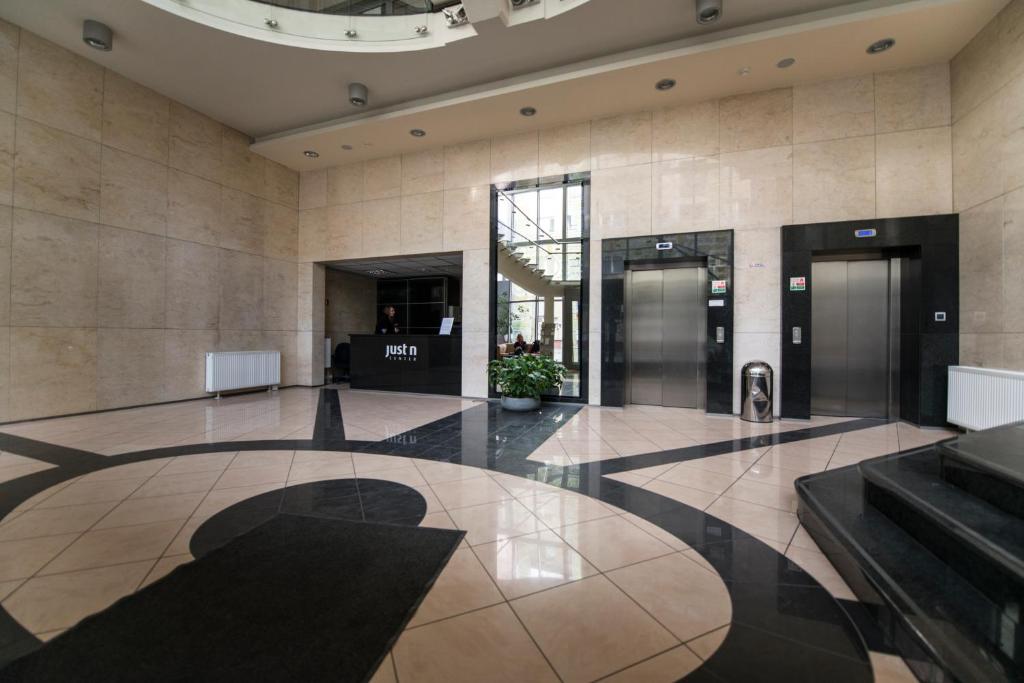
column 338, row 33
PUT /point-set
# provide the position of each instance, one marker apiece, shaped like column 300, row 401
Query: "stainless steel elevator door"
column 850, row 345
column 667, row 331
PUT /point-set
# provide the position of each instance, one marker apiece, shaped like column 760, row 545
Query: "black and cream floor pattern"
column 619, row 544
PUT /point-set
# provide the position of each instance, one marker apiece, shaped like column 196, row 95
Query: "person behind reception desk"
column 387, row 323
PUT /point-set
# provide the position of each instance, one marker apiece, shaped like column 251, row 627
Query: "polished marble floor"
column 601, row 544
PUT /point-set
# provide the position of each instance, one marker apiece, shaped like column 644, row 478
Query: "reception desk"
column 419, row 363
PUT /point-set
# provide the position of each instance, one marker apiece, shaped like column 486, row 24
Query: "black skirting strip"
column 297, row 599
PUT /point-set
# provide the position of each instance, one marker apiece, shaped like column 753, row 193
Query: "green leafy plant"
column 525, row 376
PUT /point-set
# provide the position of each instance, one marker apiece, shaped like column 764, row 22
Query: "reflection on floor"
column 587, row 553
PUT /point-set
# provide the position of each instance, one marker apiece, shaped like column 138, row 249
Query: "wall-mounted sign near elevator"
column 718, row 286
column 797, row 284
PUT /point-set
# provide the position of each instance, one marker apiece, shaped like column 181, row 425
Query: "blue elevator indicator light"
column 865, row 232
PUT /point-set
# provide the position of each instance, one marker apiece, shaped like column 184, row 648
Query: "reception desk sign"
column 400, row 352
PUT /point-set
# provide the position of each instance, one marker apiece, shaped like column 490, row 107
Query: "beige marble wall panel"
column 312, row 295
column 241, row 222
column 5, row 370
column 310, row 358
column 133, row 192
column 475, row 355
column 185, row 362
column 1013, row 257
column 756, row 280
column 135, row 119
column 6, row 159
column 53, row 371
column 10, row 36
column 345, row 231
column 756, row 188
column 981, row 268
column 423, row 171
column 756, row 120
column 476, row 277
column 313, row 189
column 685, row 131
column 382, row 227
column 281, row 240
column 621, row 141
column 131, row 278
column 909, row 99
column 467, row 218
column 382, row 178
column 58, row 88
column 280, row 295
column 193, row 208
column 129, row 367
column 345, row 184
column 280, row 184
column 241, row 291
column 54, row 271
column 240, row 340
column 829, row 110
column 914, row 172
column 351, row 305
column 193, row 286
column 1011, row 39
column 685, row 195
column 515, row 157
column 241, row 168
column 6, row 235
column 195, row 143
column 834, row 180
column 312, row 234
column 467, row 164
column 983, row 350
column 976, row 72
column 978, row 155
column 286, row 343
column 565, row 149
column 1012, row 105
column 621, row 202
column 422, row 230
column 56, row 172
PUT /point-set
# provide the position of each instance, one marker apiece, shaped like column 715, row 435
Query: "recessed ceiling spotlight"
column 708, row 11
column 528, row 111
column 417, row 132
column 97, row 35
column 880, row 46
column 311, row 154
column 351, row 33
column 743, row 71
column 665, row 84
column 270, row 23
column 785, row 63
column 347, row 148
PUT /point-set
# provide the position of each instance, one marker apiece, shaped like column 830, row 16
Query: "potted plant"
column 522, row 379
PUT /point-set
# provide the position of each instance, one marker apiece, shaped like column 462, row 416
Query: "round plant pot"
column 520, row 405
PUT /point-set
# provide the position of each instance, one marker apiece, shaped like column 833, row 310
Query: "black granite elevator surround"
column 929, row 285
column 714, row 248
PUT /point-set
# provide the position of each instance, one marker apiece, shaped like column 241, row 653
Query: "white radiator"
column 980, row 398
column 228, row 370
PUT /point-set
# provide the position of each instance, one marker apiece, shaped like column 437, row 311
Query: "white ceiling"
column 261, row 88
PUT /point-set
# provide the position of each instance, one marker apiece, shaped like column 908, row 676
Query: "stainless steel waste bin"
column 756, row 392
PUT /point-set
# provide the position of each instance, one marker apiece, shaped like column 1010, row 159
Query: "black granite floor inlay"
column 298, row 598
column 785, row 625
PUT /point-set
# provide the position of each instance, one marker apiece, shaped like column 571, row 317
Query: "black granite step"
column 989, row 465
column 979, row 541
column 945, row 626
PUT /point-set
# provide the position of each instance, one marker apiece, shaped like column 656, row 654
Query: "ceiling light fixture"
column 528, row 111
column 97, row 35
column 351, row 33
column 311, row 154
column 708, row 11
column 358, row 94
column 270, row 23
column 880, row 46
column 421, row 30
column 785, row 63
column 417, row 132
column 665, row 84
